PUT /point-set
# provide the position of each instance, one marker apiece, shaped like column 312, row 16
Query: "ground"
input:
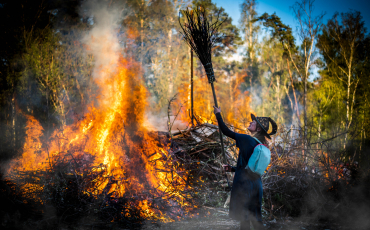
column 217, row 219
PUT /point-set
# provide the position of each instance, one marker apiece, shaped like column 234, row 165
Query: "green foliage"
column 279, row 31
column 62, row 75
column 250, row 28
column 153, row 39
column 231, row 40
column 342, row 45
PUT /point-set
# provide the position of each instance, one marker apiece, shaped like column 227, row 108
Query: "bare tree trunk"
column 295, row 97
column 191, row 86
column 250, row 83
column 362, row 134
column 250, row 45
column 309, row 28
column 305, row 109
column 231, row 94
column 235, row 90
column 142, row 39
column 347, row 106
column 81, row 93
column 278, row 95
column 170, row 80
column 291, row 105
column 13, row 121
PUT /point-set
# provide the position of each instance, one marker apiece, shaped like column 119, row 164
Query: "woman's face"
column 252, row 126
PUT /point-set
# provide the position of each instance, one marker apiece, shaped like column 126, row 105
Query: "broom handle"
column 219, row 128
column 222, row 141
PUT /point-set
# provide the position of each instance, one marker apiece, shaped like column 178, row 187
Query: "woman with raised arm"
column 246, row 192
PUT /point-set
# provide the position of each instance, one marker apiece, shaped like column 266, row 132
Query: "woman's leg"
column 257, row 225
column 245, row 225
column 256, row 206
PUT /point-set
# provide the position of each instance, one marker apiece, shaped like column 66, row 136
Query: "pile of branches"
column 64, row 192
column 307, row 181
column 311, row 181
column 294, row 179
column 200, row 151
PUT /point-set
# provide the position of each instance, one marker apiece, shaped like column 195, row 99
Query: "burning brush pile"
column 107, row 162
column 109, row 167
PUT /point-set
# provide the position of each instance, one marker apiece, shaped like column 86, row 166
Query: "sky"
column 282, row 9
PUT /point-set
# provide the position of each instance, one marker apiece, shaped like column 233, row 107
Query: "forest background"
column 46, row 72
column 272, row 80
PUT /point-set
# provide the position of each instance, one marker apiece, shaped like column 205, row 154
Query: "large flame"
column 112, row 137
column 233, row 100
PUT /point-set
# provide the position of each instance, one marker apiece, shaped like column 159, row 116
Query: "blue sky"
column 282, row 9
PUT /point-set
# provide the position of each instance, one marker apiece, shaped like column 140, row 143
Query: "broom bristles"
column 201, row 36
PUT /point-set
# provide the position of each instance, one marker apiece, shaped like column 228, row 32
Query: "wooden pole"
column 221, row 138
column 222, row 141
column 191, row 87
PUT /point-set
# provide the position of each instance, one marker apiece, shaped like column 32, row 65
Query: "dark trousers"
column 246, row 225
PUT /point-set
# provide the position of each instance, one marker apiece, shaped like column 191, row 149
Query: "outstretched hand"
column 216, row 110
column 227, row 168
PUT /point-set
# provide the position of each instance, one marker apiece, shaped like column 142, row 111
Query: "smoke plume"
column 102, row 40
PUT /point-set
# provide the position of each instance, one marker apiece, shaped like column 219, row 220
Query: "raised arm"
column 224, row 129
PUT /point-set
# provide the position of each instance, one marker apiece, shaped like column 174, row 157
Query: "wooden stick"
column 219, row 130
column 222, row 141
column 191, row 87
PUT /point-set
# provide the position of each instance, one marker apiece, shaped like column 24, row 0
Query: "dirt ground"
column 218, row 219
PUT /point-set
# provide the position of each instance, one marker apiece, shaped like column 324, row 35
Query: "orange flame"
column 233, row 101
column 112, row 136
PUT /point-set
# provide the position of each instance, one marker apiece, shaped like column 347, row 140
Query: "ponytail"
column 261, row 136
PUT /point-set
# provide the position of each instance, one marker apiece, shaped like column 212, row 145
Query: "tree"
column 278, row 82
column 165, row 54
column 20, row 23
column 231, row 39
column 308, row 30
column 249, row 28
column 152, row 38
column 323, row 96
column 340, row 44
column 283, row 34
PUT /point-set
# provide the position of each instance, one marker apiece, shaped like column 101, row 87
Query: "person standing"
column 246, row 192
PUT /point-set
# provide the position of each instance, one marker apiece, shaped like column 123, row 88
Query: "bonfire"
column 109, row 153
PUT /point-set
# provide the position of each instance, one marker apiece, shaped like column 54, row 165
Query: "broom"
column 201, row 36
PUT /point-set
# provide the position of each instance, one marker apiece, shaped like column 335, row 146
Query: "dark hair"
column 261, row 135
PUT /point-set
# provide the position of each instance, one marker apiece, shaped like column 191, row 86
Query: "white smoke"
column 102, row 40
column 159, row 122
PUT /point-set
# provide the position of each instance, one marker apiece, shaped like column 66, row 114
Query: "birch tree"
column 339, row 44
column 308, row 31
column 302, row 58
column 249, row 27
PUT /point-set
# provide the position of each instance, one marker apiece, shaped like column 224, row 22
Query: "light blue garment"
column 260, row 159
